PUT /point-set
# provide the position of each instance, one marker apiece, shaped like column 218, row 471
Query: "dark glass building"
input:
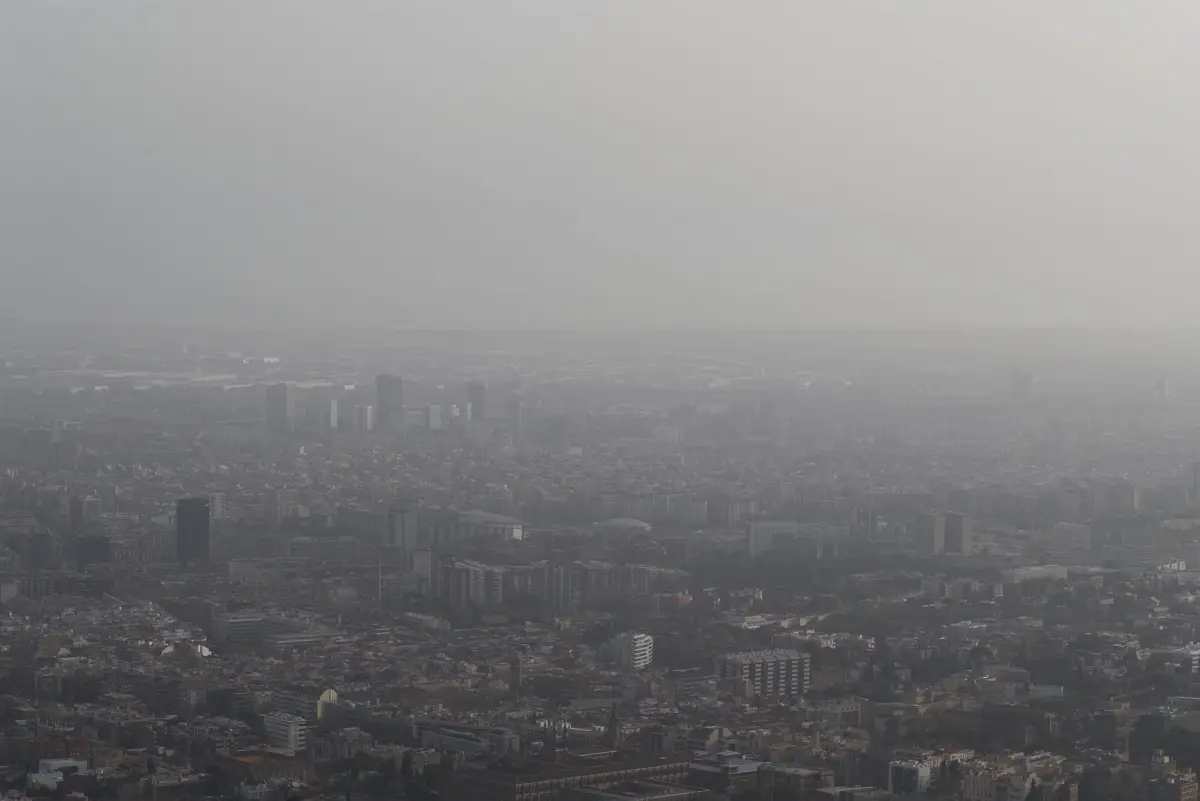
column 280, row 408
column 191, row 530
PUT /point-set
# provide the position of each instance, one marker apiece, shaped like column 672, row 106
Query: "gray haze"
column 672, row 163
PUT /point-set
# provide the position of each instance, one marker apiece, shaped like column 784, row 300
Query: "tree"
column 106, row 790
column 406, row 764
column 979, row 656
column 217, row 781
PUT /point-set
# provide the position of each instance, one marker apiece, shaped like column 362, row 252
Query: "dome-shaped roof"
column 623, row 524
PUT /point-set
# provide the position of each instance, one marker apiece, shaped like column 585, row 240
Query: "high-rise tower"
column 191, row 530
column 477, row 401
column 279, row 408
column 389, row 403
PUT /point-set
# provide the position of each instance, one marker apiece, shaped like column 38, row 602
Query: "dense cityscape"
column 686, row 400
column 657, row 567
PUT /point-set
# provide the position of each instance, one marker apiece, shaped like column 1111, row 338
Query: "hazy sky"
column 633, row 163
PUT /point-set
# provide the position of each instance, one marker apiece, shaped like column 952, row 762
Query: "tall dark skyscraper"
column 477, row 400
column 401, row 528
column 959, row 534
column 389, row 403
column 191, row 530
column 279, row 408
column 516, row 419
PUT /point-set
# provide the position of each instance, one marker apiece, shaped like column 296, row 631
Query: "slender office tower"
column 389, row 403
column 191, row 530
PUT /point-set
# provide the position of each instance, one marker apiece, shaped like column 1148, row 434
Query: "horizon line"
column 813, row 329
